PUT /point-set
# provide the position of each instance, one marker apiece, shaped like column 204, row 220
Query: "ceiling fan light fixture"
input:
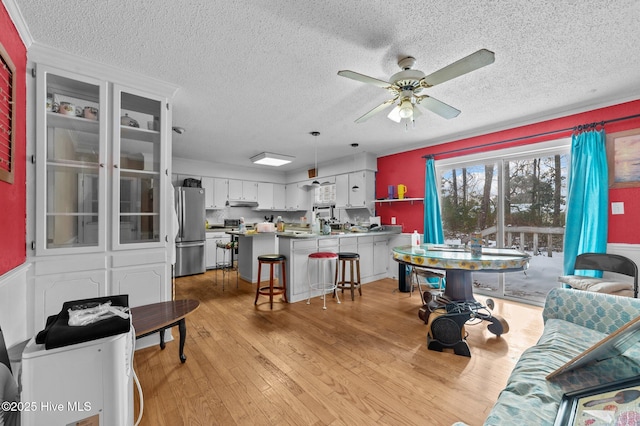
column 406, row 109
column 270, row 159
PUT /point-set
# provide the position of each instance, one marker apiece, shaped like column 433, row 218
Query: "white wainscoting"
column 16, row 317
column 632, row 251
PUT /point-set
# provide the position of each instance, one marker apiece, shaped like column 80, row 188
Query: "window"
column 514, row 198
column 7, row 117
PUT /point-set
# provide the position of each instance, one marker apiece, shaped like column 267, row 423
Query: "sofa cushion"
column 529, row 398
column 599, row 285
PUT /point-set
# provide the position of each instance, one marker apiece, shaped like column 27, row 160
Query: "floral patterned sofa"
column 573, row 321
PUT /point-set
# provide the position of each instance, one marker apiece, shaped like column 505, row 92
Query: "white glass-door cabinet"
column 71, row 161
column 101, row 202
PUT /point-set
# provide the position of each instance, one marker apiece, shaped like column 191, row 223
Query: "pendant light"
column 354, row 188
column 315, row 183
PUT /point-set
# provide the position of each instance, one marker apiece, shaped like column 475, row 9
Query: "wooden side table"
column 158, row 317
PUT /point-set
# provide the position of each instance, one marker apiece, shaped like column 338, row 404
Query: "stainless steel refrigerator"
column 191, row 238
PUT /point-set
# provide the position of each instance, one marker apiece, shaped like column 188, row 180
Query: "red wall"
column 408, row 168
column 13, row 196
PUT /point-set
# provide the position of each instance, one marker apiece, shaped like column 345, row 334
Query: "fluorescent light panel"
column 270, row 159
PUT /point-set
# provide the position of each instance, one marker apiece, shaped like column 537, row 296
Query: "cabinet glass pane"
column 139, row 157
column 72, row 162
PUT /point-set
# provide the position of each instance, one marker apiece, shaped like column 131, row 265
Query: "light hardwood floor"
column 361, row 362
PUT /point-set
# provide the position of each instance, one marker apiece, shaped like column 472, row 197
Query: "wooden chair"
column 607, row 263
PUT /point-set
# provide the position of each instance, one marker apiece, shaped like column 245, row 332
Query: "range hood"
column 242, row 203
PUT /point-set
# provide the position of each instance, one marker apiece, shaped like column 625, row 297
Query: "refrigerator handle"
column 181, row 213
column 194, row 244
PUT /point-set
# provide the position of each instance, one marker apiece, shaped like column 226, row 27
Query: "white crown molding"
column 18, row 21
column 43, row 53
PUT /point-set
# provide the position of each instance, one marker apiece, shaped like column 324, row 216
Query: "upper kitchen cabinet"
column 271, row 196
column 279, row 196
column 242, row 190
column 296, row 197
column 101, row 152
column 216, row 193
column 355, row 190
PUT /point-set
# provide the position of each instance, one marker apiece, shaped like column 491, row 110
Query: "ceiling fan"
column 407, row 86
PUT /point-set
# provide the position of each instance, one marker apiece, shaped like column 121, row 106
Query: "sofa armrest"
column 598, row 311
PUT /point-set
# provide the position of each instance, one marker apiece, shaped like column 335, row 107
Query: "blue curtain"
column 587, row 199
column 432, row 217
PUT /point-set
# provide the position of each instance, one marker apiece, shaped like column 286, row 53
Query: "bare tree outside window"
column 533, row 202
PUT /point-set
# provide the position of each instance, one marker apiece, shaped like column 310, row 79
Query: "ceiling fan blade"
column 375, row 110
column 467, row 64
column 395, row 114
column 365, row 79
column 439, row 107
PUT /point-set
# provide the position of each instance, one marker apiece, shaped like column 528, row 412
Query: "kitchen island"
column 373, row 248
column 250, row 246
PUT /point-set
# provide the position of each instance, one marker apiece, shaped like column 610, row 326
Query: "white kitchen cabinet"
column 380, row 256
column 271, row 196
column 279, row 196
column 342, row 191
column 211, row 247
column 101, row 185
column 297, row 253
column 243, row 190
column 296, row 197
column 365, row 250
column 348, row 244
column 208, row 186
column 363, row 197
column 215, row 193
column 265, row 196
column 220, row 193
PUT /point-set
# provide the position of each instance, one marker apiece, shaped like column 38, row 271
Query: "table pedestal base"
column 459, row 286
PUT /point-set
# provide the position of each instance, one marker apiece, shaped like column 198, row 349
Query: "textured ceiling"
column 260, row 75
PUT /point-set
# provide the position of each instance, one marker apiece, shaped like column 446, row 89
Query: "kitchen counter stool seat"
column 354, row 276
column 323, row 259
column 271, row 290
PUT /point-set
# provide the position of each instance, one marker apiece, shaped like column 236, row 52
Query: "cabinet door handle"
column 115, row 166
column 101, row 164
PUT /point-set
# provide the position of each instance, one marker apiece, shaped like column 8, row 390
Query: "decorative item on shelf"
column 90, row 113
column 125, row 120
column 153, row 124
column 51, row 105
column 402, row 190
column 67, row 108
column 391, row 192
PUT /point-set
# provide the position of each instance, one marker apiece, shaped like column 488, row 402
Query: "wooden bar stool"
column 323, row 259
column 353, row 283
column 271, row 290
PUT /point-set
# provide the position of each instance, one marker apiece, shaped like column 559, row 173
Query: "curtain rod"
column 552, row 132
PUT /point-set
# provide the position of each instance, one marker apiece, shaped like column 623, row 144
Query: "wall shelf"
column 395, row 200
